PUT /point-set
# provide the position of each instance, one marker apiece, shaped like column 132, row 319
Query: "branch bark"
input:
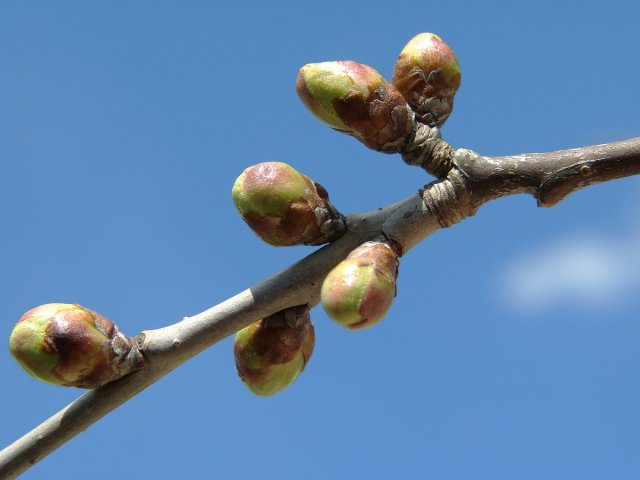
column 467, row 180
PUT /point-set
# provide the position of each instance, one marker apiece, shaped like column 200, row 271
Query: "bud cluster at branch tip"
column 355, row 99
column 427, row 74
column 271, row 353
column 284, row 207
column 66, row 344
column 358, row 292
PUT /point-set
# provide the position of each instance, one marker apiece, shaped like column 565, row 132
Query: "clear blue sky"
column 513, row 348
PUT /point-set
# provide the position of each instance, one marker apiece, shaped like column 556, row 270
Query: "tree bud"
column 427, row 74
column 358, row 292
column 284, row 207
column 66, row 344
column 354, row 98
column 271, row 353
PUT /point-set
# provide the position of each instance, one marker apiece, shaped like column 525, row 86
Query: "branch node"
column 449, row 200
column 427, row 150
column 140, row 340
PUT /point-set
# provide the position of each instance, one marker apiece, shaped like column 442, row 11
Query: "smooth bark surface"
column 466, row 181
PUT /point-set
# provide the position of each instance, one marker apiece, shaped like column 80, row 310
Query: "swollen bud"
column 427, row 74
column 66, row 344
column 358, row 292
column 284, row 207
column 271, row 353
column 355, row 99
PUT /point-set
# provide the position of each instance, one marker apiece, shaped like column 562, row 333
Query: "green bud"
column 355, row 99
column 66, row 344
column 284, row 207
column 427, row 75
column 271, row 353
column 358, row 292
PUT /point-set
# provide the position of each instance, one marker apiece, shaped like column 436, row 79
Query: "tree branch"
column 549, row 177
column 467, row 181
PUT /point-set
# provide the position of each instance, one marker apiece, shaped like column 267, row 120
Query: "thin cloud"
column 584, row 270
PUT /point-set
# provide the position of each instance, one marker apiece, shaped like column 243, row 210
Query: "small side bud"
column 284, row 207
column 271, row 353
column 355, row 99
column 66, row 344
column 358, row 292
column 427, row 75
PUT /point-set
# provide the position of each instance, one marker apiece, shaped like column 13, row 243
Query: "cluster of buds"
column 70, row 345
column 66, row 344
column 284, row 207
column 354, row 98
column 271, row 353
column 358, row 292
column 427, row 75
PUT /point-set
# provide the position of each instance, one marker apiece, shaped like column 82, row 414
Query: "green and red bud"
column 284, row 207
column 66, row 344
column 427, row 74
column 355, row 99
column 271, row 353
column 358, row 292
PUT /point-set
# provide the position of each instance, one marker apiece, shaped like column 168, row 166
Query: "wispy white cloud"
column 588, row 270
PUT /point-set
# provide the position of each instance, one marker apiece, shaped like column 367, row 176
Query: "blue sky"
column 511, row 351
